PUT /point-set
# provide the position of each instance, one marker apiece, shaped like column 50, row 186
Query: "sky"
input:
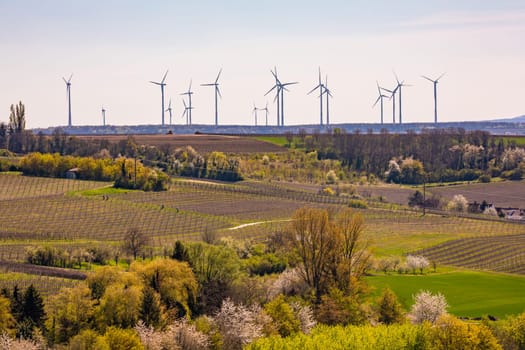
column 114, row 48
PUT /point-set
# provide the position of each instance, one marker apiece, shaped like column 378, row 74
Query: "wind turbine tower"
column 435, row 82
column 169, row 109
column 161, row 84
column 328, row 96
column 254, row 112
column 103, row 116
column 380, row 99
column 217, row 95
column 187, row 112
column 393, row 98
column 68, row 93
column 400, row 84
column 319, row 86
column 265, row 109
column 189, row 93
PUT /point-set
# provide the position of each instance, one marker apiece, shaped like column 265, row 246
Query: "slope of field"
column 496, row 253
column 202, row 143
column 501, row 194
column 468, row 293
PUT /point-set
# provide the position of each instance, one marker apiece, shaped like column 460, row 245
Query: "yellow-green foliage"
column 122, row 339
column 402, row 337
column 448, row 333
column 6, row 319
column 173, row 280
column 126, row 173
column 294, row 165
column 283, row 316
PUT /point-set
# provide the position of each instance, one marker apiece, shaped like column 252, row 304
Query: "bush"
column 484, row 178
column 357, row 204
column 458, row 203
column 331, row 177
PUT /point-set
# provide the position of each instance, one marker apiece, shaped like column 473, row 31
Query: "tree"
column 330, row 251
column 6, row 319
column 69, row 312
column 17, row 125
column 150, row 309
column 122, row 339
column 283, row 316
column 216, row 267
column 173, row 280
column 389, row 308
column 134, row 242
column 238, row 325
column 33, row 306
column 180, row 252
column 427, row 307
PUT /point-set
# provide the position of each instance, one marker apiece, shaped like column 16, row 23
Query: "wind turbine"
column 328, row 95
column 189, row 93
column 435, row 95
column 169, row 109
column 161, row 84
column 187, row 112
column 68, row 93
column 321, row 88
column 393, row 98
column 278, row 88
column 380, row 99
column 400, row 84
column 265, row 109
column 103, row 116
column 217, row 94
column 254, row 112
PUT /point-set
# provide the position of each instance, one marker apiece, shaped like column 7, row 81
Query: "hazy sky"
column 114, row 47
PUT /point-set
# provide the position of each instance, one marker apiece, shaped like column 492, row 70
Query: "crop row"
column 497, row 253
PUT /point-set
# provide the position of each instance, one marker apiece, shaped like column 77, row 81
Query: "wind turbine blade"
column 164, row 78
column 315, row 88
column 427, row 78
column 218, row 75
column 154, row 82
column 270, row 90
column 189, row 89
column 397, row 79
column 71, row 76
column 441, row 76
column 379, row 98
column 184, row 102
column 218, row 91
column 65, row 81
column 390, row 91
column 210, row 84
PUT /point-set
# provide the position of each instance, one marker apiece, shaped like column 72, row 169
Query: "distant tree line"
column 433, row 155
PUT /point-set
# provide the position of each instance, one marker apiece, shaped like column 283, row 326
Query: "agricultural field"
column 501, row 194
column 74, row 215
column 468, row 293
column 201, row 143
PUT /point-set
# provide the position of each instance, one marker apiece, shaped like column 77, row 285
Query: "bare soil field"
column 501, row 194
column 202, row 143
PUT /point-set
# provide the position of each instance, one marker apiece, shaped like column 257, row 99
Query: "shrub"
column 458, row 203
column 357, row 204
column 484, row 178
column 331, row 177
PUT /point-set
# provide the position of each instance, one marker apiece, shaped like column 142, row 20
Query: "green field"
column 468, row 293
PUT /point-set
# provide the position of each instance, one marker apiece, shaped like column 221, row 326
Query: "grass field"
column 468, row 293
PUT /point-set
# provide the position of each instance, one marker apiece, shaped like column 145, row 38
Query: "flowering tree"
column 427, row 307
column 417, row 262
